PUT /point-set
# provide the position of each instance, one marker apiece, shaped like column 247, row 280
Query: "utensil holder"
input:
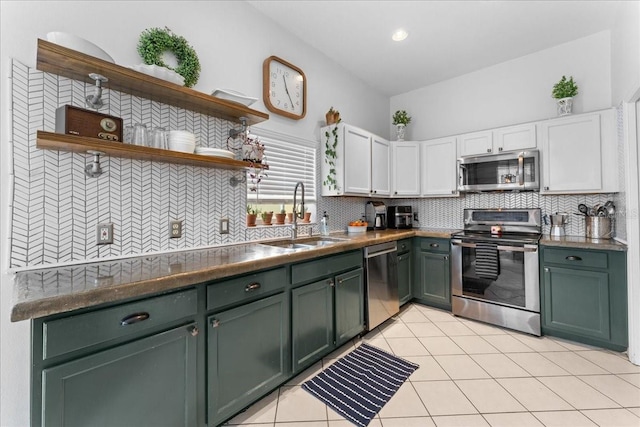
column 598, row 227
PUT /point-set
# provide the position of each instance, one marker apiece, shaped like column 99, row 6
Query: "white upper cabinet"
column 405, row 181
column 380, row 167
column 360, row 166
column 579, row 154
column 476, row 143
column 439, row 167
column 495, row 141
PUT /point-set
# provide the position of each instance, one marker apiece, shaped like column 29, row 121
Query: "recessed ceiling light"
column 399, row 35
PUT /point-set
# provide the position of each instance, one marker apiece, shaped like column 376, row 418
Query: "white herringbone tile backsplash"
column 56, row 208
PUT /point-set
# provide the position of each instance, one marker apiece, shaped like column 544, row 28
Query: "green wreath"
column 155, row 41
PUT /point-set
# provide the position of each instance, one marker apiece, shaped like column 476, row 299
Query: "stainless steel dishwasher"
column 381, row 264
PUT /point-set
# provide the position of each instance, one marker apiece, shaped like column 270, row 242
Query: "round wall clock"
column 284, row 88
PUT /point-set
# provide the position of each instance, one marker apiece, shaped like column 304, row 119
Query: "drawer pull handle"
column 434, row 245
column 215, row 323
column 134, row 318
column 573, row 258
column 252, row 287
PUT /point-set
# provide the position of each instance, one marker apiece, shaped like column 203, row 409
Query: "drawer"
column 433, row 244
column 405, row 245
column 245, row 288
column 73, row 333
column 576, row 257
column 319, row 268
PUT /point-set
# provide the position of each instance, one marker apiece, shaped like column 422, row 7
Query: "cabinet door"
column 438, row 167
column 404, row 277
column 357, row 161
column 514, row 138
column 380, row 167
column 148, row 382
column 248, row 354
column 349, row 305
column 476, row 143
column 432, row 283
column 312, row 322
column 406, row 169
column 576, row 301
column 572, row 156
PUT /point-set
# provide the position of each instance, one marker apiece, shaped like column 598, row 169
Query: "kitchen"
column 601, row 59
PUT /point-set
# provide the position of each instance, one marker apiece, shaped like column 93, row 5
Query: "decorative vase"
column 307, row 217
column 251, row 220
column 280, row 218
column 564, row 106
column 290, row 217
column 400, row 128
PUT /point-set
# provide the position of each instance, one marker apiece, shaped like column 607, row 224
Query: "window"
column 290, row 160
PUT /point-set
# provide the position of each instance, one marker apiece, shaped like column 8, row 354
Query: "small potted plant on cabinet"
column 563, row 92
column 252, row 215
column 401, row 119
column 332, row 116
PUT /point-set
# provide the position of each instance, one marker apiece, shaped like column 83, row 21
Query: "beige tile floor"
column 474, row 374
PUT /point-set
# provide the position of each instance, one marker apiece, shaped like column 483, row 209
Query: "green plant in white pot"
column 401, row 119
column 563, row 92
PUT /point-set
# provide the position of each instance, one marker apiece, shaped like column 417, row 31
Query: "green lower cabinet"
column 404, row 277
column 349, row 305
column 432, row 284
column 148, row 382
column 584, row 298
column 248, row 355
column 312, row 322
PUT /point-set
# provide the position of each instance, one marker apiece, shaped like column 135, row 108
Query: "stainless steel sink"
column 304, row 244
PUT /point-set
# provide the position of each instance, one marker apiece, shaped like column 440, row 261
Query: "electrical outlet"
column 175, row 229
column 415, row 216
column 224, row 226
column 104, row 234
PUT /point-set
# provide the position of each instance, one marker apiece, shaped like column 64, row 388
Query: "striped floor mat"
column 359, row 384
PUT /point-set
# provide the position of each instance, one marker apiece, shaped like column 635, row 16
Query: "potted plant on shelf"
column 252, row 215
column 281, row 216
column 332, row 116
column 563, row 92
column 267, row 217
column 401, row 119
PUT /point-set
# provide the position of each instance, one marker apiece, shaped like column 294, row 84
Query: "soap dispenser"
column 324, row 224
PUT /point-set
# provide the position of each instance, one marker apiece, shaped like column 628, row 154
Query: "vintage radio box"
column 77, row 121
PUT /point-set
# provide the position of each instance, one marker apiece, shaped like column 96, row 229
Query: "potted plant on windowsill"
column 267, row 217
column 401, row 119
column 252, row 215
column 563, row 92
column 281, row 216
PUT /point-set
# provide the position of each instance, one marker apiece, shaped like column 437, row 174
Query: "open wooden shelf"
column 81, row 144
column 53, row 58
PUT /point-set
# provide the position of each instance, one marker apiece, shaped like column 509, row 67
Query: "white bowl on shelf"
column 159, row 72
column 182, row 146
column 77, row 43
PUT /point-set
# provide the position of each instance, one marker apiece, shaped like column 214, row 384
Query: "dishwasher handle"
column 381, row 249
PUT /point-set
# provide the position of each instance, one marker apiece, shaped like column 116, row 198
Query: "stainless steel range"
column 494, row 268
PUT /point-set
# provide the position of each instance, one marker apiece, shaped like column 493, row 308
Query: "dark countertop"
column 47, row 291
column 582, row 242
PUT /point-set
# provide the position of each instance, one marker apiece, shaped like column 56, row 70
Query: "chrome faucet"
column 296, row 214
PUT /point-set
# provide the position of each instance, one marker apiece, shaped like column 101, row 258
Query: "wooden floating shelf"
column 81, row 144
column 56, row 59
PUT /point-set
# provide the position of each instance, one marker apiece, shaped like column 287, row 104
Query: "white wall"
column 231, row 38
column 625, row 52
column 513, row 92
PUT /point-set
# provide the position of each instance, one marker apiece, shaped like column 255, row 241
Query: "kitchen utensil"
column 602, row 211
column 583, row 208
column 598, row 227
column 611, row 208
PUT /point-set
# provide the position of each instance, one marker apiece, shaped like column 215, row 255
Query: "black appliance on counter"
column 376, row 215
column 400, row 217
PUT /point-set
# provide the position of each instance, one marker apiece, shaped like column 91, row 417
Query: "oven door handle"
column 526, row 248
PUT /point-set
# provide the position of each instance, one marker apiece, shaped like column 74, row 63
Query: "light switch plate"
column 224, row 226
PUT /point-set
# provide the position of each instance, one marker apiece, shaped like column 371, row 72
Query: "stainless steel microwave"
column 517, row 171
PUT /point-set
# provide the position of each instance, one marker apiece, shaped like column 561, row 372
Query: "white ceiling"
column 446, row 38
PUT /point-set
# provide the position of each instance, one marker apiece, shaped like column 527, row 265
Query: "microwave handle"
column 521, row 168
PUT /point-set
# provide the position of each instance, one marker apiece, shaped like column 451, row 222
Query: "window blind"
column 289, row 162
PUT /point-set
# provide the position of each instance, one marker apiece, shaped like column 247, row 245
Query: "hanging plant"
column 330, row 154
column 155, row 41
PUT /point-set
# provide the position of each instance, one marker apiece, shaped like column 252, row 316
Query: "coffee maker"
column 558, row 221
column 376, row 215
